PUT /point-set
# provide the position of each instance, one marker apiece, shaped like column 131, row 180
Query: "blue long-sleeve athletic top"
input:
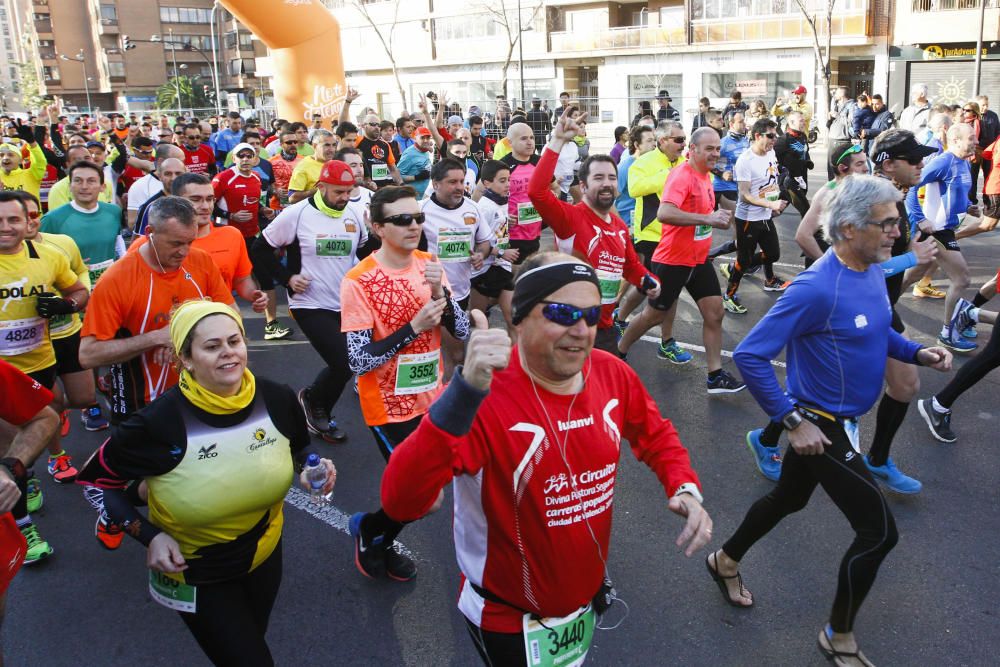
column 836, row 324
column 946, row 181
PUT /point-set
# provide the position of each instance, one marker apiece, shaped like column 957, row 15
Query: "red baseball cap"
column 422, row 132
column 801, row 90
column 336, row 172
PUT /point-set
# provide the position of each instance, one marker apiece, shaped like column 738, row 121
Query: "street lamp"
column 173, row 55
column 187, row 46
column 83, row 61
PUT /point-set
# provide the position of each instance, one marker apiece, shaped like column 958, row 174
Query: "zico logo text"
column 16, row 291
column 208, row 452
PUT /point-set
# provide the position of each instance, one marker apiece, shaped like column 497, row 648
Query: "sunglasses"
column 34, row 215
column 403, row 219
column 856, row 148
column 566, row 315
column 678, row 140
column 289, row 143
column 771, row 135
column 372, row 124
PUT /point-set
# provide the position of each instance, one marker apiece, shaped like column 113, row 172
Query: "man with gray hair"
column 916, row 116
column 150, row 184
column 836, row 323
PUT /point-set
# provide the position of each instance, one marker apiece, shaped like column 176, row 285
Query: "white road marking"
column 329, row 515
column 701, row 348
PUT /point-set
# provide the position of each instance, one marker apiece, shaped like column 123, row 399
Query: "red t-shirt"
column 607, row 246
column 23, row 399
column 992, row 185
column 534, row 483
column 130, row 176
column 198, row 160
column 691, row 192
column 236, row 192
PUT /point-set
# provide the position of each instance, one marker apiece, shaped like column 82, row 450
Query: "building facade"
column 81, row 55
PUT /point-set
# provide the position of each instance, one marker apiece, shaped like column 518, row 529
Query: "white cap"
column 244, row 146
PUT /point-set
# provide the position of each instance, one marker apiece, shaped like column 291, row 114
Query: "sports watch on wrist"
column 690, row 488
column 791, row 420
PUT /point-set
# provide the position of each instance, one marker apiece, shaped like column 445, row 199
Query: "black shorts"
column 388, row 436
column 700, row 281
column 607, row 340
column 991, row 206
column 45, row 377
column 645, row 249
column 67, row 354
column 946, row 237
column 525, row 248
column 728, row 194
column 265, row 280
column 897, row 322
column 494, row 280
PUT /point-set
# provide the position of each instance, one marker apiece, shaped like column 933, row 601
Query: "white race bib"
column 21, row 336
column 455, row 245
column 97, row 270
column 171, row 593
column 526, row 213
column 417, row 373
column 610, row 283
column 380, row 172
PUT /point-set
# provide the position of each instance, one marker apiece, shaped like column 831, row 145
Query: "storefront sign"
column 957, row 50
column 752, row 87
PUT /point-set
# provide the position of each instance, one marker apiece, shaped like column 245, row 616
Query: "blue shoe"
column 957, row 343
column 673, row 353
column 724, row 383
column 970, row 332
column 369, row 555
column 962, row 320
column 620, row 325
column 334, row 434
column 889, row 475
column 93, row 419
column 768, row 459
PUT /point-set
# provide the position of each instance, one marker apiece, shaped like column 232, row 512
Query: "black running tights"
column 322, row 328
column 498, row 648
column 231, row 617
column 844, row 477
column 971, row 372
column 749, row 235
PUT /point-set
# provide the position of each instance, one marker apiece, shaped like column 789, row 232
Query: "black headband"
column 534, row 285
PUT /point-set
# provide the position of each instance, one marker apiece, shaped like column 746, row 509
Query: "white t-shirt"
column 143, row 189
column 761, row 171
column 329, row 248
column 362, row 202
column 452, row 235
column 495, row 215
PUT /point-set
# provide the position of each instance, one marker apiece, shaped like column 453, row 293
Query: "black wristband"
column 15, row 467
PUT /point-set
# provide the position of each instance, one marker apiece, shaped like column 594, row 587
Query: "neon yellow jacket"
column 30, row 179
column 646, row 177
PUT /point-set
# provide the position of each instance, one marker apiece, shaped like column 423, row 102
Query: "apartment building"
column 13, row 18
column 613, row 55
column 81, row 58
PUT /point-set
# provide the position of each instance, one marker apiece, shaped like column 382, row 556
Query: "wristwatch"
column 791, row 420
column 16, row 468
column 690, row 488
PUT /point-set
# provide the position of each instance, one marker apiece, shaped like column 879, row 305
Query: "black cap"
column 664, row 94
column 899, row 144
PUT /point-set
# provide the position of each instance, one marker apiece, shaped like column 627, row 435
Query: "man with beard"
column 199, row 158
column 595, row 231
column 331, row 237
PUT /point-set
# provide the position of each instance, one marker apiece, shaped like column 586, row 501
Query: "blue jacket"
column 732, row 149
column 411, row 163
column 625, row 202
column 946, row 181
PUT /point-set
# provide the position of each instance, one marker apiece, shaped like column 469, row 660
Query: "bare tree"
column 511, row 27
column 820, row 24
column 385, row 38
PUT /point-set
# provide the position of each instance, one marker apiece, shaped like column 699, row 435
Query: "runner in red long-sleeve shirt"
column 532, row 438
column 598, row 236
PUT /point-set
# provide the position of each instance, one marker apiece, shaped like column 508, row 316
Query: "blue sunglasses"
column 566, row 315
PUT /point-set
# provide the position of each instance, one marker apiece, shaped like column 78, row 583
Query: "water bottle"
column 316, row 476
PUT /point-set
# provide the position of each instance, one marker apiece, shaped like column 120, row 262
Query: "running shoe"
column 732, row 305
column 927, row 291
column 768, row 459
column 962, row 319
column 369, row 557
column 397, row 565
column 776, row 284
column 93, row 419
column 64, row 423
column 38, row 549
column 317, row 418
column 753, row 269
column 109, row 536
column 620, row 325
column 334, row 434
column 61, row 468
column 890, row 475
column 724, row 383
column 275, row 331
column 104, row 384
column 938, row 422
column 35, row 498
column 673, row 353
column 957, row 343
column 726, row 270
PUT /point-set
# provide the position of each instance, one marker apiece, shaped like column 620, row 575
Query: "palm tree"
column 192, row 94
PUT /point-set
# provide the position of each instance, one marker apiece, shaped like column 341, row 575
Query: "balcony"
column 630, row 37
column 943, row 5
column 850, row 23
column 43, row 27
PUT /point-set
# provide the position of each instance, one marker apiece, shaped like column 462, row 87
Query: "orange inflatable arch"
column 304, row 39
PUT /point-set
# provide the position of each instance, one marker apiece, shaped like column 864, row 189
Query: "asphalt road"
column 934, row 602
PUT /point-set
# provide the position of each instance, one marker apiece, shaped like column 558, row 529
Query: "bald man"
column 380, row 164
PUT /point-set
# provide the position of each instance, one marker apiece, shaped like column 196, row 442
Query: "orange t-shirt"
column 373, row 296
column 131, row 299
column 227, row 249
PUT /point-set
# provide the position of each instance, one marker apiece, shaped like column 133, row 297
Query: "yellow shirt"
column 306, row 174
column 501, row 148
column 646, row 177
column 24, row 335
column 64, row 326
column 30, row 179
column 805, row 109
column 59, row 194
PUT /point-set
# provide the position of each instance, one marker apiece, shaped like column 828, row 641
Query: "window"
column 239, row 66
column 50, row 72
column 116, row 70
column 109, row 13
column 641, row 17
column 7, row 44
column 672, row 17
column 202, row 42
column 765, row 85
column 185, row 15
column 465, row 27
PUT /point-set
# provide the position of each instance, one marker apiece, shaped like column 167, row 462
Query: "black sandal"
column 720, row 580
column 833, row 655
